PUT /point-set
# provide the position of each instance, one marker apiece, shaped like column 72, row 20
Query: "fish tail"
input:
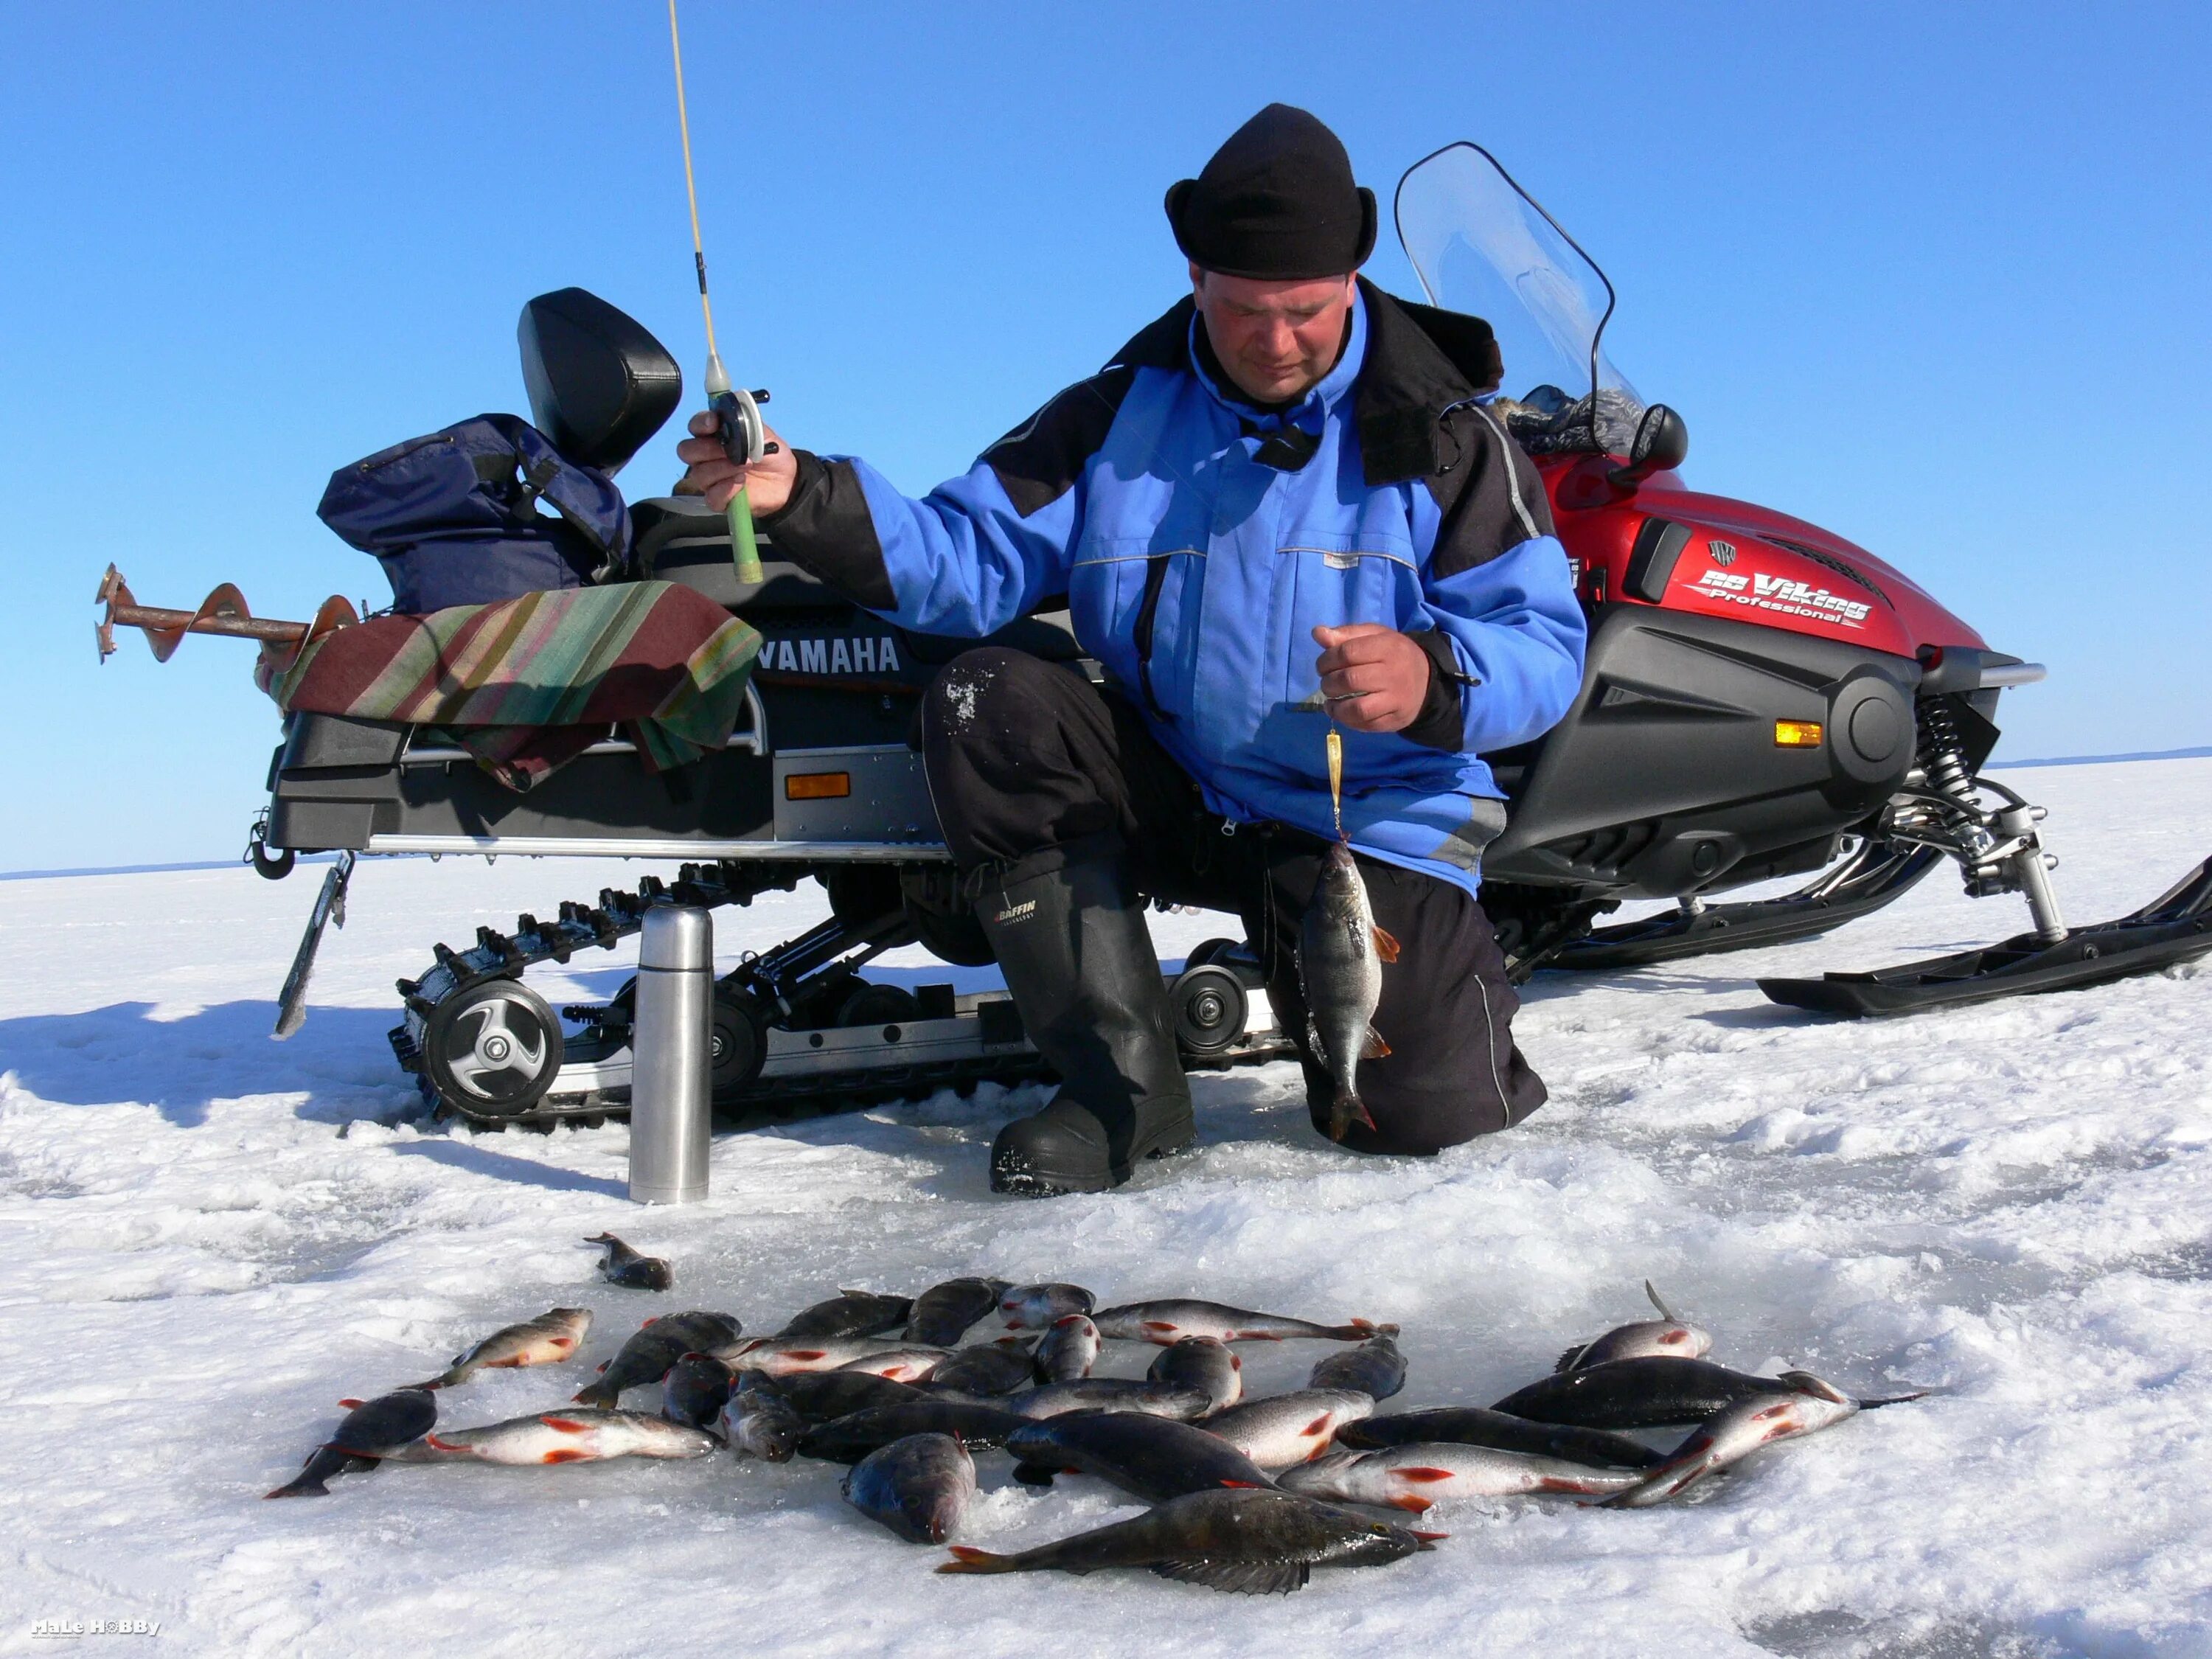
column 1879, row 1400
column 965, row 1559
column 1348, row 1109
column 1668, row 1480
column 596, row 1393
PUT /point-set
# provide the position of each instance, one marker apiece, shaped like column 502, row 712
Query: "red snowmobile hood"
column 1923, row 619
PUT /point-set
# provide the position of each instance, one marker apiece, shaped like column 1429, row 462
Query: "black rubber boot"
column 1079, row 960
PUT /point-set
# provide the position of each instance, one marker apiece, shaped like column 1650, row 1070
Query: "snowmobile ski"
column 2172, row 929
column 1873, row 876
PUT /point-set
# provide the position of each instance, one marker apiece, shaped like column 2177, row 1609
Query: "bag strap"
column 587, row 499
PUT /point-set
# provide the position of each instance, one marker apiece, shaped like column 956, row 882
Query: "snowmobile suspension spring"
column 1941, row 759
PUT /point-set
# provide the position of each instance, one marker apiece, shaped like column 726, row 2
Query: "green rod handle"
column 742, row 545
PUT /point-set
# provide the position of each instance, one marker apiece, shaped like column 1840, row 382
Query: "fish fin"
column 1376, row 1048
column 1555, row 1483
column 1660, row 1303
column 1428, row 1538
column 1035, row 1475
column 604, row 1363
column 565, row 1454
column 1239, row 1578
column 566, row 1425
column 1318, row 1424
column 1879, row 1400
column 355, row 1405
column 966, row 1559
column 1407, row 1501
column 1245, row 1485
column 595, row 1393
column 300, row 1489
column 1567, row 1359
column 1423, row 1472
column 1385, row 946
column 433, row 1441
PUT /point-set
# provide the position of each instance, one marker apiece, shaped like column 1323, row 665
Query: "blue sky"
column 1932, row 277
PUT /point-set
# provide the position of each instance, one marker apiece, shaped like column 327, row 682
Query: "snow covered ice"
column 209, row 1238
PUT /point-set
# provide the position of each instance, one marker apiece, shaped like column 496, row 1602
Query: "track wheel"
column 1210, row 1008
column 493, row 1050
column 738, row 1046
column 1210, row 950
column 878, row 1005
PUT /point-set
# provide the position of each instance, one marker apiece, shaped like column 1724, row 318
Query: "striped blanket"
column 528, row 684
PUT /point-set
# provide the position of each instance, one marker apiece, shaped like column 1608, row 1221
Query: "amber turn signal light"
column 1796, row 734
column 835, row 786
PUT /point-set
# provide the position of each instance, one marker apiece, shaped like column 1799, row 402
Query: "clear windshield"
column 1481, row 247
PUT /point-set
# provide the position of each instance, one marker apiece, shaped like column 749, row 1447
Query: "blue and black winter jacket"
column 1199, row 542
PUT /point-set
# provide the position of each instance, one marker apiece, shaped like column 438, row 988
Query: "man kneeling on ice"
column 1288, row 460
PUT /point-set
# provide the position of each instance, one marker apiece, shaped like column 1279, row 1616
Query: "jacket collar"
column 1404, row 378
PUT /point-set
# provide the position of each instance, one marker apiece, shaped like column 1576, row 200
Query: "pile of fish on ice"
column 1248, row 1495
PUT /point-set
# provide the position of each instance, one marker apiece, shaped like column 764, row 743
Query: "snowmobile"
column 1763, row 700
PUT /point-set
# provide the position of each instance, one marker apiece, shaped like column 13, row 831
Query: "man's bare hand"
column 711, row 473
column 1375, row 678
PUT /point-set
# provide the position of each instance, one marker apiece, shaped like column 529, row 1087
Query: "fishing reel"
column 744, row 433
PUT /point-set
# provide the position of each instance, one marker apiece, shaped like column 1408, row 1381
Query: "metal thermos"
column 671, row 1099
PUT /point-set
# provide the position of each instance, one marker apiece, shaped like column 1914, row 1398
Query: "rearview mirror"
column 1662, row 444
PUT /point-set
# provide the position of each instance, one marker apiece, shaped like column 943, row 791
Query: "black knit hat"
column 1276, row 203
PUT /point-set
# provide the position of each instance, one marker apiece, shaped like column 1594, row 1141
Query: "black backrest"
column 599, row 383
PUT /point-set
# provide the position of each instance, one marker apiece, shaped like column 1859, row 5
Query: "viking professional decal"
column 1779, row 594
column 831, row 656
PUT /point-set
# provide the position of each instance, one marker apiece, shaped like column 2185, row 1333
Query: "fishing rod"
column 744, row 436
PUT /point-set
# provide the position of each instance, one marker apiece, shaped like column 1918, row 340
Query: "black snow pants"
column 1031, row 766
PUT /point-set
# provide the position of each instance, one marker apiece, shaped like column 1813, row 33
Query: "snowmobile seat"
column 681, row 539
